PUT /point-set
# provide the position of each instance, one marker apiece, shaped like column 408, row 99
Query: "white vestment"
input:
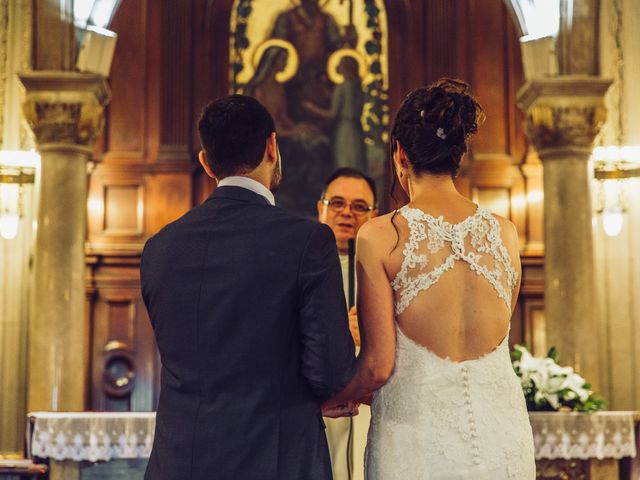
column 347, row 437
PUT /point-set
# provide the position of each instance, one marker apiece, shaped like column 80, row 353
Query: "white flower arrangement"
column 549, row 387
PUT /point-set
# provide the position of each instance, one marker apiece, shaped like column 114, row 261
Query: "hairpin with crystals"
column 440, row 134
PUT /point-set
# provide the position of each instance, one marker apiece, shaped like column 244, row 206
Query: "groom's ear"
column 271, row 149
column 202, row 158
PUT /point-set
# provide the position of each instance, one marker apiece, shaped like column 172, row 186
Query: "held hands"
column 353, row 326
column 349, row 409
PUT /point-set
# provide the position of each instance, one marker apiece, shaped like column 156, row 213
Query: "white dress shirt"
column 249, row 184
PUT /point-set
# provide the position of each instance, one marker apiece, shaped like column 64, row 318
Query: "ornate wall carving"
column 65, row 107
column 564, row 126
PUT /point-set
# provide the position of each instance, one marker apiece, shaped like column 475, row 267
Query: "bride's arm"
column 375, row 315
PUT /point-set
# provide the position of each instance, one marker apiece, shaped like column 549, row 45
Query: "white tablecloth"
column 91, row 436
column 94, row 436
column 559, row 435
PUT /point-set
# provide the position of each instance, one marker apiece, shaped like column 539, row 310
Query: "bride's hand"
column 348, row 409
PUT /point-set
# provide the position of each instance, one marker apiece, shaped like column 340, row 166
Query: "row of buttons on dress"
column 472, row 422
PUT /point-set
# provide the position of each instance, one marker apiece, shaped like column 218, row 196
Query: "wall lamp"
column 17, row 170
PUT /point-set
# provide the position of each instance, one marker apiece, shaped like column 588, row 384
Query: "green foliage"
column 240, row 40
column 376, row 96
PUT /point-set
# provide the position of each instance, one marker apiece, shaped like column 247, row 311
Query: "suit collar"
column 249, row 184
column 240, row 194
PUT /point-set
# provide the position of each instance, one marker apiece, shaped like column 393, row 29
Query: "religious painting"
column 321, row 69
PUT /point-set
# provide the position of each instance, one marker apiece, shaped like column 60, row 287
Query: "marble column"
column 65, row 112
column 563, row 117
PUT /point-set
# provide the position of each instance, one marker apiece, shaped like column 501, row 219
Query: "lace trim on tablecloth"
column 559, row 435
column 91, row 436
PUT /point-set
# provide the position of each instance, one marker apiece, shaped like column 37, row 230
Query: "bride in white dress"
column 437, row 282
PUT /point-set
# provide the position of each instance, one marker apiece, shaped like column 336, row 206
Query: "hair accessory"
column 440, row 134
column 423, row 114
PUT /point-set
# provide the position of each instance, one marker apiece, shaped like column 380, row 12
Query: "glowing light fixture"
column 539, row 23
column 96, row 43
column 97, row 13
column 17, row 169
column 539, row 18
column 613, row 166
column 612, row 221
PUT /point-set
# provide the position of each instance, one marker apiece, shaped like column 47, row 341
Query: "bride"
column 437, row 283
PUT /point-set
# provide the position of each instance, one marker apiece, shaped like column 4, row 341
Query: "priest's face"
column 346, row 206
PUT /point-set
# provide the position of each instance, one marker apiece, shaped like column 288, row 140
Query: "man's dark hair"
column 233, row 133
column 349, row 172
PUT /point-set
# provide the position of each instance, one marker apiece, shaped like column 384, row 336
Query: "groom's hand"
column 348, row 409
column 353, row 326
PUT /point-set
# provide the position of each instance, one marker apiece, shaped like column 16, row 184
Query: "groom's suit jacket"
column 249, row 315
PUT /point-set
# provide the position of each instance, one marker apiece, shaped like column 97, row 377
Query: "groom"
column 248, row 312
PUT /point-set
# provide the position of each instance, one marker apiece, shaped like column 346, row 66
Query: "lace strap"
column 485, row 231
column 501, row 254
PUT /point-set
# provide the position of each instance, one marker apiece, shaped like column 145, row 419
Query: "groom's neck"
column 260, row 175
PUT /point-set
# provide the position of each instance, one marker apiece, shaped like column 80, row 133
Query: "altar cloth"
column 570, row 435
column 103, row 436
column 90, row 436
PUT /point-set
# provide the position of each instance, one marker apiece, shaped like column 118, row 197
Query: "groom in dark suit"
column 248, row 311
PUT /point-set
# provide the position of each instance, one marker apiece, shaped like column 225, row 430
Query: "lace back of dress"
column 435, row 246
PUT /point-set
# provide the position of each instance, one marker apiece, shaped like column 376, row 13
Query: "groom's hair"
column 233, row 133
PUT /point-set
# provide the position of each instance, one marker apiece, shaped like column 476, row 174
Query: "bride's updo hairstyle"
column 434, row 124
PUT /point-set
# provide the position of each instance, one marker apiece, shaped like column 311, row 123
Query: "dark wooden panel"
column 121, row 317
column 176, row 80
column 119, row 321
column 116, row 206
column 170, row 195
column 126, row 126
column 488, row 76
column 123, row 209
column 496, row 199
column 440, row 56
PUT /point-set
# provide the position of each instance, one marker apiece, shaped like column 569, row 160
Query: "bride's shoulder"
column 509, row 232
column 378, row 231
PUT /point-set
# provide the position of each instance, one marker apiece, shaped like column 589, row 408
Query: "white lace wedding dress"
column 439, row 419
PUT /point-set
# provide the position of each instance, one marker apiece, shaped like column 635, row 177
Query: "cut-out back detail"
column 438, row 419
column 485, row 241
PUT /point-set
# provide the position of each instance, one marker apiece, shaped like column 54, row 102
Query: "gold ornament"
column 293, row 61
column 335, row 59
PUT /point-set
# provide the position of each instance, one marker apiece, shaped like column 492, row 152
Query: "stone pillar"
column 563, row 117
column 65, row 112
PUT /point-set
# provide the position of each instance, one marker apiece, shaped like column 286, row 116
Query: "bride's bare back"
column 454, row 269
